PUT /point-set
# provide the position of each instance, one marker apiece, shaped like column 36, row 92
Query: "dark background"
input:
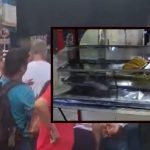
column 36, row 16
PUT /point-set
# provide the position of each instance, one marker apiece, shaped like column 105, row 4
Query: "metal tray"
column 97, row 103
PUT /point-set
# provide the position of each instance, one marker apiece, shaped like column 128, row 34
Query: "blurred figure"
column 90, row 136
column 104, row 130
column 1, row 66
column 84, row 137
column 38, row 69
column 114, row 138
column 59, row 60
column 21, row 97
column 58, row 136
column 120, row 136
column 25, row 42
column 134, row 139
column 144, row 129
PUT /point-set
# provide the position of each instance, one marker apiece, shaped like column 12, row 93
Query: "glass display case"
column 93, row 76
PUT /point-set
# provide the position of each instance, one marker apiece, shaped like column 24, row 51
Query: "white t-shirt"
column 40, row 72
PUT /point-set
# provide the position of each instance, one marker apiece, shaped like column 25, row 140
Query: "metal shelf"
column 97, row 103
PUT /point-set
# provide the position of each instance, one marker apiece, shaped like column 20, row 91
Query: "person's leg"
column 4, row 145
column 26, row 144
column 84, row 140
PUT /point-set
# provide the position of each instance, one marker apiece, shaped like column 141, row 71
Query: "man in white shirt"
column 38, row 70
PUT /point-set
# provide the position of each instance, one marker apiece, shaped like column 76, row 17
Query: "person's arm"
column 29, row 82
column 43, row 112
column 96, row 128
column 26, row 95
column 110, row 129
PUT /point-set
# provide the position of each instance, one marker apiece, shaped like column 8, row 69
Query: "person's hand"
column 54, row 134
column 112, row 128
column 109, row 129
column 103, row 129
column 30, row 82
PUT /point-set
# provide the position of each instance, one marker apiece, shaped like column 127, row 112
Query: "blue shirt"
column 22, row 100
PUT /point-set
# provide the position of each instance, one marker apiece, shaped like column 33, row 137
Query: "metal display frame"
column 86, row 103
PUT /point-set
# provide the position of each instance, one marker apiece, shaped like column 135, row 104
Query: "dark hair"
column 14, row 60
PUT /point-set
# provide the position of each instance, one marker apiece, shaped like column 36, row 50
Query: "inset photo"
column 101, row 74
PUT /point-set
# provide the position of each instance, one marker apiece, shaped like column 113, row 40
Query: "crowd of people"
column 27, row 74
column 25, row 83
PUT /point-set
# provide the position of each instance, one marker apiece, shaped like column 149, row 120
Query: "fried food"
column 135, row 63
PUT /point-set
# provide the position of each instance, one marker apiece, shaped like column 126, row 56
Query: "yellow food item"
column 129, row 66
column 138, row 61
column 135, row 63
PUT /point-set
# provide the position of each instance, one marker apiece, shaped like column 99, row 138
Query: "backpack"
column 44, row 88
column 7, row 124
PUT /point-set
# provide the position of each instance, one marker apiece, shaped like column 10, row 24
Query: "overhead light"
column 113, row 49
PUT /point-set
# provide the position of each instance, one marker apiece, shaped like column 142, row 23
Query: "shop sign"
column 4, row 33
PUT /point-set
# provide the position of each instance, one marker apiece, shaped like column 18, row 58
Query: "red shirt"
column 65, row 130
